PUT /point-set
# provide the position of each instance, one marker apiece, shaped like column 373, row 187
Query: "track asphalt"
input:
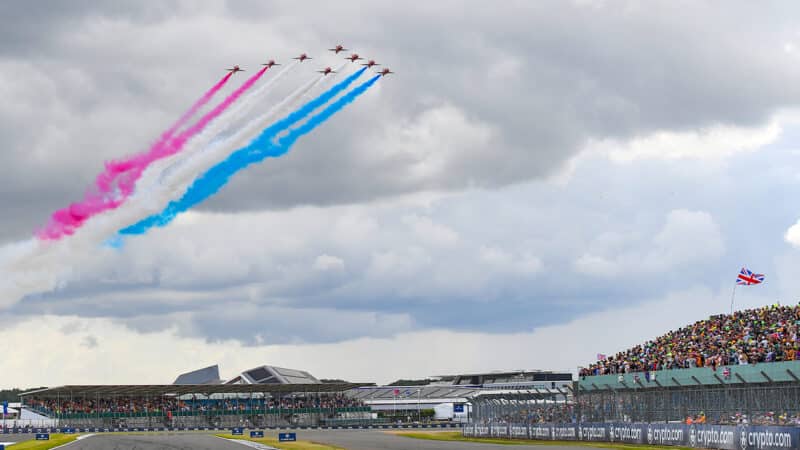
column 348, row 439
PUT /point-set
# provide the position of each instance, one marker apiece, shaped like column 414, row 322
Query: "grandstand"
column 202, row 405
column 455, row 396
column 731, row 368
column 762, row 335
column 271, row 396
column 739, row 368
column 259, row 397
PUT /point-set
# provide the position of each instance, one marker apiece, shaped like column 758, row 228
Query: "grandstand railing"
column 773, row 372
column 200, row 412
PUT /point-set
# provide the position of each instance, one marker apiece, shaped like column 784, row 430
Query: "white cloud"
column 430, row 232
column 687, row 237
column 715, row 142
column 596, row 265
column 792, row 235
column 432, row 142
column 504, row 261
column 328, row 262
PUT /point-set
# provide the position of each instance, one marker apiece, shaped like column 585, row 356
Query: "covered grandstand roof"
column 429, row 391
column 274, row 375
column 171, row 389
column 520, row 394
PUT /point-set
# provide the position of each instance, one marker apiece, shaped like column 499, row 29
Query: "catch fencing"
column 727, row 437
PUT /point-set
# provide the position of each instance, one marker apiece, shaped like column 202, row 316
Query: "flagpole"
column 733, row 296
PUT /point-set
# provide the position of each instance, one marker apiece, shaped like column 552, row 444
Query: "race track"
column 348, row 439
column 378, row 440
column 186, row 441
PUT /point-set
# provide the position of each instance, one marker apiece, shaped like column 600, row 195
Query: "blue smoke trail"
column 215, row 178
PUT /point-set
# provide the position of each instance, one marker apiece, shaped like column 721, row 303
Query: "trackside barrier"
column 29, row 430
column 727, row 437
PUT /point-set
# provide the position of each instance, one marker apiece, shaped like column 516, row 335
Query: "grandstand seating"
column 753, row 336
column 143, row 407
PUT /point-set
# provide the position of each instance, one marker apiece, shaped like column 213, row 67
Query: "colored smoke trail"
column 192, row 165
column 105, row 179
column 175, row 179
column 117, row 182
column 210, row 182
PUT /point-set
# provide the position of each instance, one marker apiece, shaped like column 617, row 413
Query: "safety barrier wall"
column 696, row 436
column 30, row 430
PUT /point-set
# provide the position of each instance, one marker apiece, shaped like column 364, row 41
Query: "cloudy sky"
column 540, row 181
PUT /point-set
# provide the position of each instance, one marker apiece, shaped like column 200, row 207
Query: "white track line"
column 250, row 444
column 83, row 436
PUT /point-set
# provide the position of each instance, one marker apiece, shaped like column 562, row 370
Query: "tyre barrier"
column 729, row 437
column 70, row 430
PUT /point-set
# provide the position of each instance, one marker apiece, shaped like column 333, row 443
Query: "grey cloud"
column 90, row 342
column 514, row 92
column 544, row 77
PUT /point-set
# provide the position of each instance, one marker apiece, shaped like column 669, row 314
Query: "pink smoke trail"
column 105, row 179
column 117, row 182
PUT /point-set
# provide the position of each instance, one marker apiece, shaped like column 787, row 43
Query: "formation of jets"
column 339, row 48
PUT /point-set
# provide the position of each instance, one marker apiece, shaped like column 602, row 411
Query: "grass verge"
column 456, row 436
column 273, row 442
column 55, row 441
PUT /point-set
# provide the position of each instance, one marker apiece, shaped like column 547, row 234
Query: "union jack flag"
column 746, row 277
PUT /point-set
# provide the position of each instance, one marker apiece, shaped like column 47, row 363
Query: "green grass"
column 273, row 442
column 55, row 441
column 457, row 436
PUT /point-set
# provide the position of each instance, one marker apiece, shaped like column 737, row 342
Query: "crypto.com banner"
column 697, row 436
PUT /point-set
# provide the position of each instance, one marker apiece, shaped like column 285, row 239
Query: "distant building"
column 206, row 375
column 513, row 379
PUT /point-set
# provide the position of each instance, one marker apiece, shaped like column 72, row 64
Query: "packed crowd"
column 761, row 335
column 547, row 413
column 159, row 405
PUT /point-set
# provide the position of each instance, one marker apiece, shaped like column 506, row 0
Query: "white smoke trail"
column 218, row 150
column 157, row 189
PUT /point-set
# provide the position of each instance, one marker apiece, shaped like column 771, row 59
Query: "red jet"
column 302, row 57
column 370, row 63
column 326, row 71
column 384, row 72
column 354, row 57
column 337, row 49
column 235, row 69
column 271, row 63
